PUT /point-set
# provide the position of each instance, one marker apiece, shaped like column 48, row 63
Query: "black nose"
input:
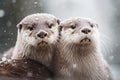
column 42, row 34
column 86, row 31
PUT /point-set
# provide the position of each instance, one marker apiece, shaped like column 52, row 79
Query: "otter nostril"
column 42, row 34
column 45, row 34
column 89, row 30
column 86, row 31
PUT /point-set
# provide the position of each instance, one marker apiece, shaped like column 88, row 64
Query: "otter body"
column 25, row 69
column 80, row 57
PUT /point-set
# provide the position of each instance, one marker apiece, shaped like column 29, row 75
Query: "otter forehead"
column 39, row 18
column 80, row 22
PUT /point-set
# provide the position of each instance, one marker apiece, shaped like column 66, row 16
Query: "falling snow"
column 6, row 44
column 2, row 13
column 8, row 39
column 74, row 65
column 25, row 62
column 35, row 2
column 9, row 24
column 4, row 59
column 29, row 74
column 5, row 31
column 11, row 33
column 13, row 1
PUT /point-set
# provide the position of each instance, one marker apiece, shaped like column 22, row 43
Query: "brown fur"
column 25, row 69
column 80, row 61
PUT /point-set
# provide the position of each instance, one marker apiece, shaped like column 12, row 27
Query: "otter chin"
column 85, row 41
column 43, row 43
column 80, row 56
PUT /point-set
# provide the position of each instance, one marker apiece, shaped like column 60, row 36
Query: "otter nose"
column 42, row 34
column 86, row 31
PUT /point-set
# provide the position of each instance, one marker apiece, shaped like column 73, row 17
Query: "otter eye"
column 50, row 26
column 92, row 25
column 73, row 26
column 30, row 28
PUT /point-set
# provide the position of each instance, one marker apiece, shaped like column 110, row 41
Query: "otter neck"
column 77, row 52
column 81, row 50
column 86, row 58
column 23, row 50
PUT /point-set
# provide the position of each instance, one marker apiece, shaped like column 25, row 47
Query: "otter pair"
column 70, row 49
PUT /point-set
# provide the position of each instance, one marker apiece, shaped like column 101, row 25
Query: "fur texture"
column 29, row 45
column 79, row 56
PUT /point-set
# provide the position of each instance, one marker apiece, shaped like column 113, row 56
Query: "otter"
column 37, row 37
column 36, row 40
column 25, row 69
column 79, row 56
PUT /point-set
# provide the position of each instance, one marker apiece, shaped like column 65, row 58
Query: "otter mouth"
column 42, row 43
column 85, row 41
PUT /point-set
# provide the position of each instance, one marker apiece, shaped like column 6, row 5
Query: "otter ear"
column 19, row 26
column 58, row 21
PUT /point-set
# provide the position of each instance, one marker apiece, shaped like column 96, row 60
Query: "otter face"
column 39, row 29
column 78, row 30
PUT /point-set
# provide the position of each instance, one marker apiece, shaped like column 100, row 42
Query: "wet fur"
column 28, row 45
column 25, row 69
column 76, row 61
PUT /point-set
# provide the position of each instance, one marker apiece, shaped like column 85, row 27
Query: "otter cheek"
column 95, row 36
column 25, row 36
column 32, row 41
column 75, row 38
column 28, row 39
column 53, row 37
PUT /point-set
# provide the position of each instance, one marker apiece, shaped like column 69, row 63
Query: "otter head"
column 79, row 31
column 38, row 29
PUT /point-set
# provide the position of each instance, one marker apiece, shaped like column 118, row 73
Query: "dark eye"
column 73, row 26
column 92, row 25
column 50, row 26
column 30, row 28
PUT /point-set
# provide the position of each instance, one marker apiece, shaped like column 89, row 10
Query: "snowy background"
column 105, row 12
